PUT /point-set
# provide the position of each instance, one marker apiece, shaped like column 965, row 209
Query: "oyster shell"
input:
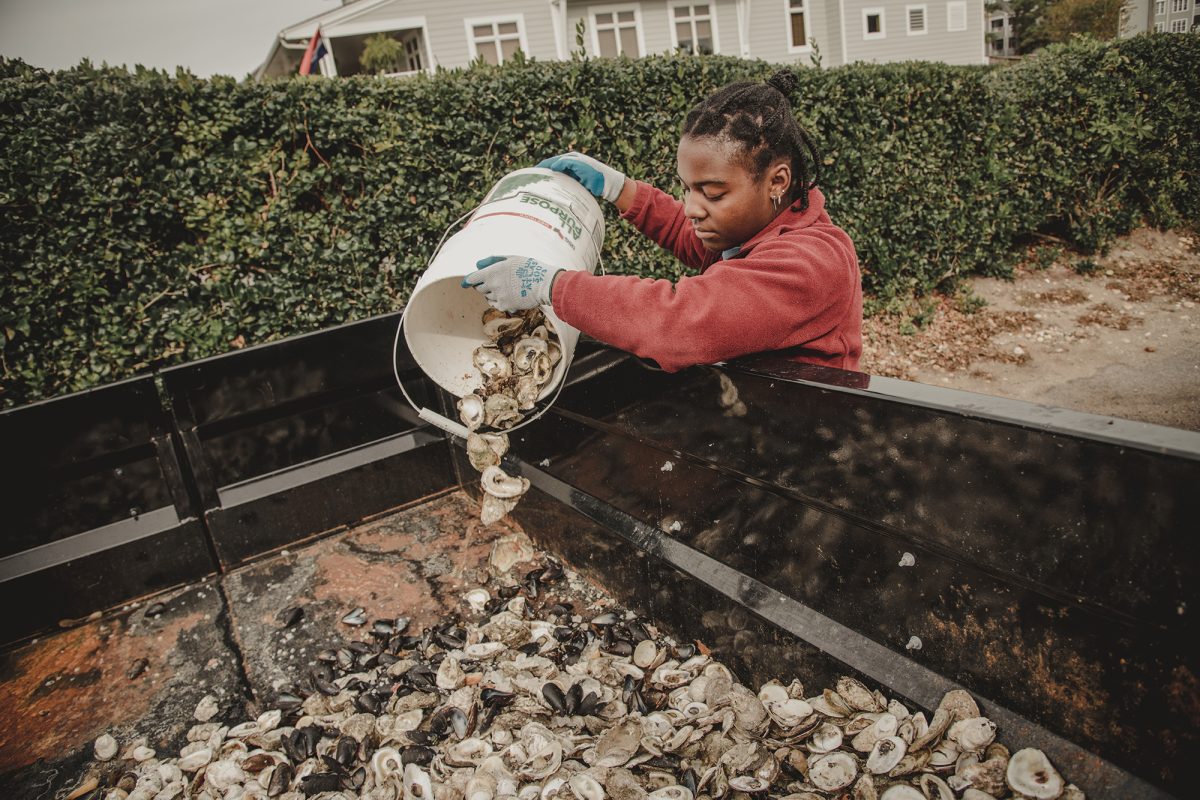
column 471, row 411
column 1031, row 774
column 832, row 771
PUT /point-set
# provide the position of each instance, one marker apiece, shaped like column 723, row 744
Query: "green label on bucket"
column 511, row 183
column 568, row 220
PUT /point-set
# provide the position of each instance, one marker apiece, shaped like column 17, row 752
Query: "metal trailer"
column 801, row 521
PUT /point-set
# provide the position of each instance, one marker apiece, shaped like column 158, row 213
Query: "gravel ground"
column 1121, row 339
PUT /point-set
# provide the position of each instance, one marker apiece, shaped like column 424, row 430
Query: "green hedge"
column 151, row 219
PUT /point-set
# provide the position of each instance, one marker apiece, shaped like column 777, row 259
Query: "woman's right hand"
column 596, row 176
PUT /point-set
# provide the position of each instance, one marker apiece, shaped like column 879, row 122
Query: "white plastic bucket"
column 532, row 212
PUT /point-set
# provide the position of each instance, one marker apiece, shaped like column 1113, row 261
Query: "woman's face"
column 723, row 200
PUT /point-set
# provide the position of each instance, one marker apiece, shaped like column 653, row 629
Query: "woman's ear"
column 779, row 179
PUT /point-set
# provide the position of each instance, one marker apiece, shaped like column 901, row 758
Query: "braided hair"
column 757, row 117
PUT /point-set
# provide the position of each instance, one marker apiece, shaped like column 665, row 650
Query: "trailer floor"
column 226, row 636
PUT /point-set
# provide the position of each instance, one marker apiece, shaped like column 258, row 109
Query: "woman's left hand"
column 513, row 283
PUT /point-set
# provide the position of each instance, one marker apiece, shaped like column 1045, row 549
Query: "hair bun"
column 784, row 81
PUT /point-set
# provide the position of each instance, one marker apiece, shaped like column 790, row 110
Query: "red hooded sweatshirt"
column 793, row 287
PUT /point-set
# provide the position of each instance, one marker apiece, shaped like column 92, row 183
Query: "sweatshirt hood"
column 790, row 220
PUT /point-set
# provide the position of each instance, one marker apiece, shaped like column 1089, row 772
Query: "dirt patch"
column 1109, row 317
column 1117, row 334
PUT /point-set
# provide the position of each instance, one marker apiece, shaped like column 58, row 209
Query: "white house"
column 452, row 33
column 1159, row 16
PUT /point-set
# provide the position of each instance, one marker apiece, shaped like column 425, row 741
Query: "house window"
column 412, row 53
column 1160, row 7
column 873, row 23
column 694, row 28
column 797, row 26
column 1160, row 27
column 916, row 20
column 616, row 31
column 998, row 24
column 497, row 39
column 1179, row 26
column 997, row 45
column 1178, row 7
column 956, row 16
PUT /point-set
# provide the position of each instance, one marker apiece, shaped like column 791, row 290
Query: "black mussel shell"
column 507, row 592
column 689, row 779
column 684, row 651
column 368, row 702
column 637, row 631
column 555, row 697
column 587, row 706
column 323, row 671
column 320, row 782
column 257, row 762
column 400, row 624
column 417, row 754
column 281, row 780
column 420, row 737
column 450, row 719
column 562, row 633
column 356, row 617
column 324, row 687
column 154, row 609
column 637, row 703
column 620, row 647
column 358, row 778
column 574, row 696
column 560, row 610
column 451, row 637
column 530, row 587
column 312, row 737
column 667, row 761
column 360, row 648
column 607, row 618
column 387, row 659
column 552, row 572
column 383, row 627
column 785, row 767
column 293, row 746
column 628, row 687
column 328, row 654
column 346, row 750
column 530, row 649
column 345, row 659
column 331, row 764
column 494, row 698
column 422, row 678
column 291, row 616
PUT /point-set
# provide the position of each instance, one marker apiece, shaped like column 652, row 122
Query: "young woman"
column 775, row 273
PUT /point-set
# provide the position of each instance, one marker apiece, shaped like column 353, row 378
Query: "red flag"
column 313, row 54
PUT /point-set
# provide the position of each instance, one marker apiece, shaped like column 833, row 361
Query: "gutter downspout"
column 842, row 15
column 743, row 18
column 558, row 21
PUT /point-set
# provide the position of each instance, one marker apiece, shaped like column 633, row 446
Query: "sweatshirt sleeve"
column 786, row 291
column 660, row 217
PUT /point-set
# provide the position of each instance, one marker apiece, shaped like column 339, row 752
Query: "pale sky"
column 228, row 37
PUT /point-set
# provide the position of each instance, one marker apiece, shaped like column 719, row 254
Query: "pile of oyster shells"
column 516, row 362
column 535, row 701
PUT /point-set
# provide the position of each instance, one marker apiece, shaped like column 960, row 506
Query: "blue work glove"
column 513, row 283
column 596, row 176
